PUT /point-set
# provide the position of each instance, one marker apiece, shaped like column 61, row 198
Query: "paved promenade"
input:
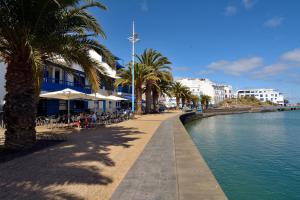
column 170, row 168
column 89, row 165
column 148, row 158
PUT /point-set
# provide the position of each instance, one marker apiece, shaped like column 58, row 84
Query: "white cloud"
column 205, row 72
column 274, row 22
column 182, row 69
column 144, row 5
column 286, row 61
column 248, row 3
column 271, row 70
column 230, row 11
column 291, row 56
column 237, row 67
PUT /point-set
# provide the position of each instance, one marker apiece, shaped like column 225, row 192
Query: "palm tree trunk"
column 155, row 100
column 183, row 102
column 139, row 93
column 177, row 103
column 20, row 106
column 148, row 97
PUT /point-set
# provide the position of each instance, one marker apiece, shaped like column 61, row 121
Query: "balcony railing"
column 52, row 84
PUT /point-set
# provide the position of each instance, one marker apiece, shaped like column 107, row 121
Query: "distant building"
column 203, row 86
column 199, row 86
column 219, row 93
column 263, row 95
column 229, row 94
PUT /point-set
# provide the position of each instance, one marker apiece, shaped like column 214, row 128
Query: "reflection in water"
column 253, row 156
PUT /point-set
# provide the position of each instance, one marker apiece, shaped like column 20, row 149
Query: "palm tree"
column 195, row 99
column 158, row 63
column 177, row 90
column 205, row 99
column 35, row 33
column 186, row 96
column 162, row 88
column 141, row 74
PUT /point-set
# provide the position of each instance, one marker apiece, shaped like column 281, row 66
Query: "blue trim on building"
column 104, row 105
column 51, row 84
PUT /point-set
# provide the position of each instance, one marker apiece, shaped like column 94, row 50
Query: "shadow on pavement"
column 36, row 175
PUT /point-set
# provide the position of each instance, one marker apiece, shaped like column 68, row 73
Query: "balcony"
column 52, row 84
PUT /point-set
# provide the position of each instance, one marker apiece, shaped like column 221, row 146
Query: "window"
column 275, row 95
column 261, row 95
column 266, row 95
column 109, row 104
column 272, row 95
column 260, row 91
column 271, row 99
column 261, row 99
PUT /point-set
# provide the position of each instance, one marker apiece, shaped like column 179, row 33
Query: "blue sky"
column 245, row 43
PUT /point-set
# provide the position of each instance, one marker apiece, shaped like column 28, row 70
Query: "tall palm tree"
column 195, row 99
column 141, row 74
column 161, row 88
column 205, row 99
column 35, row 33
column 177, row 91
column 186, row 96
column 159, row 65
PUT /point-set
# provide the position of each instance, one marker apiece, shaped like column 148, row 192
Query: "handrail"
column 64, row 82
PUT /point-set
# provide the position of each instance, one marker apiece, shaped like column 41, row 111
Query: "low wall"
column 194, row 178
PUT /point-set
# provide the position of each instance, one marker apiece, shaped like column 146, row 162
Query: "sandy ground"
column 89, row 165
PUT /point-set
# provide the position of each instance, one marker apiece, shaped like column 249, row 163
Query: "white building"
column 55, row 79
column 263, row 95
column 203, row 86
column 228, row 92
column 219, row 93
column 222, row 92
column 199, row 86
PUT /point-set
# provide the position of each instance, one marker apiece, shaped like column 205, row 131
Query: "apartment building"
column 263, row 95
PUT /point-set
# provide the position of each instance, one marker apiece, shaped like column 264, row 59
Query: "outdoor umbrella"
column 66, row 94
column 115, row 98
column 98, row 96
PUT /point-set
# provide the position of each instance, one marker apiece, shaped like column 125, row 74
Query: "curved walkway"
column 170, row 168
column 89, row 165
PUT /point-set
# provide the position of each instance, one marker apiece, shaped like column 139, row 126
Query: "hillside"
column 247, row 102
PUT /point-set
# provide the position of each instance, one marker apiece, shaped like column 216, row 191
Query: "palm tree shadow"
column 43, row 174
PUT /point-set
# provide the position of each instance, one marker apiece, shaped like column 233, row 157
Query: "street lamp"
column 133, row 39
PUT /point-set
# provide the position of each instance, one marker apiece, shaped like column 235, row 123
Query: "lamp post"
column 133, row 39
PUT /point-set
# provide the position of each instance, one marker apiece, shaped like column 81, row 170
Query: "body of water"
column 253, row 156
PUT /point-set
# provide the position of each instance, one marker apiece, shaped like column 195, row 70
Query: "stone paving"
column 153, row 176
column 170, row 168
column 89, row 165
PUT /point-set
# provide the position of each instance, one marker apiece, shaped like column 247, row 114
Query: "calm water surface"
column 253, row 156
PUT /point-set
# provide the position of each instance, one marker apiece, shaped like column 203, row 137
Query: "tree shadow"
column 77, row 161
